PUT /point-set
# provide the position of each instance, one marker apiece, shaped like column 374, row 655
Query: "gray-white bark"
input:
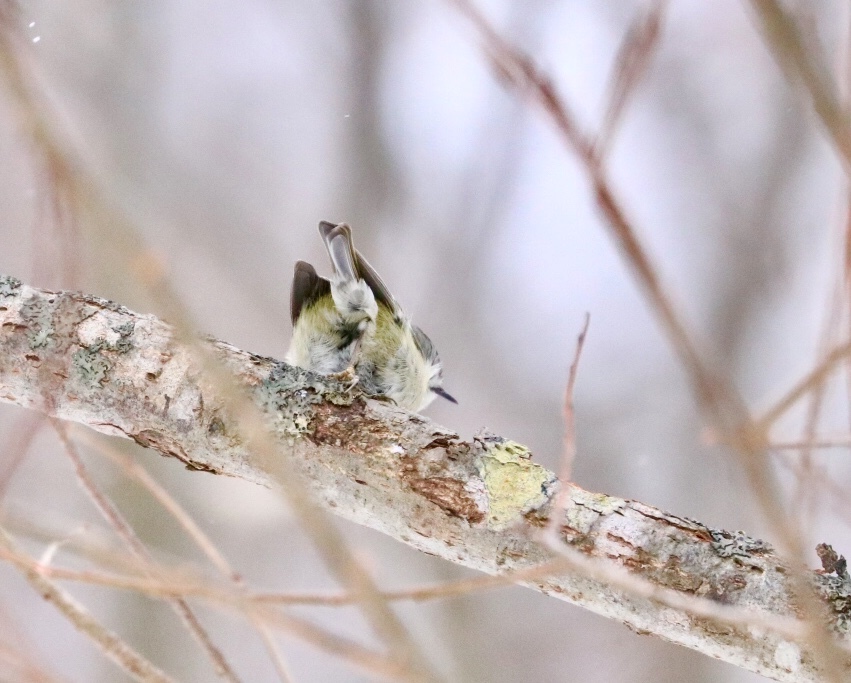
column 480, row 504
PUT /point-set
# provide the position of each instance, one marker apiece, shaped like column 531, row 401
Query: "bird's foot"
column 348, row 377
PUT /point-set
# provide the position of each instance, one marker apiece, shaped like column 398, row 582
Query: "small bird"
column 352, row 323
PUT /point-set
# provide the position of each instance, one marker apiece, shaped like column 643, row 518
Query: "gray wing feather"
column 338, row 242
column 376, row 284
column 424, row 344
column 307, row 288
column 349, row 262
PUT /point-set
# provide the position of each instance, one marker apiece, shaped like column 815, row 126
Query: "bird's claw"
column 347, row 377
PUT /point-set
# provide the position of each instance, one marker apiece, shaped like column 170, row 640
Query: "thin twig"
column 185, row 521
column 814, row 378
column 116, row 520
column 330, row 542
column 715, row 392
column 110, row 644
column 634, row 57
column 275, row 655
column 158, row 583
column 804, row 497
column 559, row 504
column 803, row 67
column 837, row 493
column 163, row 583
column 163, row 497
column 569, row 454
column 818, row 443
column 24, row 430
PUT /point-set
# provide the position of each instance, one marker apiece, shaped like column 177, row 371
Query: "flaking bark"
column 478, row 503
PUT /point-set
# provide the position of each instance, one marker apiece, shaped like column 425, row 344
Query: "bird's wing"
column 307, row 288
column 376, row 284
column 349, row 262
column 338, row 242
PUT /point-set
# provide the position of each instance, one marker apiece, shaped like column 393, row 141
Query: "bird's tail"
column 338, row 242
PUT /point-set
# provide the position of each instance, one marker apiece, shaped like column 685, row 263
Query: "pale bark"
column 480, row 503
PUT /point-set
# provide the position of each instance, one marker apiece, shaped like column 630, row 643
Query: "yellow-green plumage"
column 314, row 334
column 353, row 321
column 391, row 353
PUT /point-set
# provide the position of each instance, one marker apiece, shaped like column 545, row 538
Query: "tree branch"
column 480, row 503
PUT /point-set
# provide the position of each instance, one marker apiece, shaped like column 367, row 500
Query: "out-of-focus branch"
column 714, row 391
column 479, row 504
column 803, row 67
column 184, row 520
column 811, row 381
column 112, row 646
column 633, row 59
column 713, row 388
column 124, row 531
column 171, row 584
column 84, row 189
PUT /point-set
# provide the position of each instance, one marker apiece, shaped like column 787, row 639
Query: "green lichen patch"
column 289, row 394
column 736, row 544
column 9, row 286
column 836, row 591
column 124, row 343
column 833, row 583
column 515, row 485
column 37, row 313
column 90, row 365
column 584, row 508
column 105, row 304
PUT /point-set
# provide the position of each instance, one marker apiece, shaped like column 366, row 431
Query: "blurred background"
column 213, row 136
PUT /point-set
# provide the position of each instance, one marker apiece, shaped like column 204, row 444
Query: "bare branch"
column 551, row 533
column 715, row 393
column 181, row 516
column 811, row 381
column 185, row 521
column 111, row 645
column 803, row 68
column 633, row 59
column 122, row 527
column 342, row 562
column 164, row 585
column 479, row 503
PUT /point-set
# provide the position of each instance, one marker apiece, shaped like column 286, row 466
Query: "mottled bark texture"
column 479, row 503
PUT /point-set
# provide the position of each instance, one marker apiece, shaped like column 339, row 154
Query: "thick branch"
column 479, row 503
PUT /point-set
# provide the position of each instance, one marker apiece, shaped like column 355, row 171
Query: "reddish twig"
column 569, row 454
column 110, row 644
column 634, row 57
column 24, row 431
column 716, row 394
column 803, row 67
column 204, row 543
column 116, row 520
column 569, row 448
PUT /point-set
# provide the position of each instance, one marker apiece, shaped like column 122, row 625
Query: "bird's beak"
column 445, row 394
